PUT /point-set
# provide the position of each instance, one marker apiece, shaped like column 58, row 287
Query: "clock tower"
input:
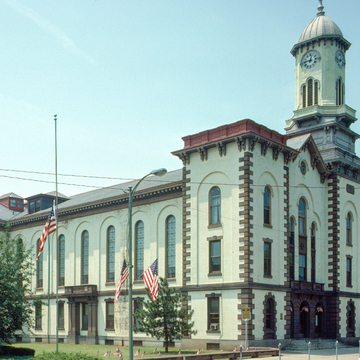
column 320, row 88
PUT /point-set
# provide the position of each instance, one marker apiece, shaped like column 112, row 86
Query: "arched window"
column 313, row 249
column 348, row 229
column 304, row 96
column 269, row 317
column 215, row 206
column 39, row 267
column 170, row 246
column 310, row 92
column 110, row 254
column 267, row 212
column 302, row 240
column 302, row 217
column 85, row 257
column 139, row 250
column 61, row 262
column 340, row 90
column 316, row 93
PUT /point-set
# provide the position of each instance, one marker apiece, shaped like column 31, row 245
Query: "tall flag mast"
column 56, row 242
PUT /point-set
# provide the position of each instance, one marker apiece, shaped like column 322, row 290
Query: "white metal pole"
column 56, row 242
column 246, row 334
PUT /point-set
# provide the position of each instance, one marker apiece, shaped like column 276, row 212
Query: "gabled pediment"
column 306, row 143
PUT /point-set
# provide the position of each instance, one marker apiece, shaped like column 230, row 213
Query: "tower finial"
column 320, row 8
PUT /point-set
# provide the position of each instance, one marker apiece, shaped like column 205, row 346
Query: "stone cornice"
column 310, row 44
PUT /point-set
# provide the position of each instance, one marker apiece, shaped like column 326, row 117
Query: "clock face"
column 339, row 58
column 310, row 59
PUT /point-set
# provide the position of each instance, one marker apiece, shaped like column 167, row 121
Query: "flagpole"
column 48, row 317
column 56, row 242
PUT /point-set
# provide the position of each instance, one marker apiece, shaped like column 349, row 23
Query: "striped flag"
column 123, row 276
column 49, row 228
column 151, row 280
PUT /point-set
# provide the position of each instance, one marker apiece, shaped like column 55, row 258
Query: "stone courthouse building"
column 254, row 218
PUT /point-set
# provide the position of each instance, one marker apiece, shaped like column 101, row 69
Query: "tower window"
column 304, row 96
column 340, row 90
column 310, row 92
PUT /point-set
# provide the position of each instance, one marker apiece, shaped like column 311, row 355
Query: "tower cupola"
column 320, row 107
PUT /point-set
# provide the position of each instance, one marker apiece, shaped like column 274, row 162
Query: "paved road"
column 328, row 354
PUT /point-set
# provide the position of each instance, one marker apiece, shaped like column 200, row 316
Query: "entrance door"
column 319, row 310
column 304, row 320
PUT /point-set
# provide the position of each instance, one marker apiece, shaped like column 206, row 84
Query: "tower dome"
column 320, row 26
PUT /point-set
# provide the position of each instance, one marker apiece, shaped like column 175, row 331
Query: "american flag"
column 49, row 228
column 123, row 276
column 151, row 280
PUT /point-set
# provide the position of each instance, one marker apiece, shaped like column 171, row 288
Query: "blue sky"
column 128, row 79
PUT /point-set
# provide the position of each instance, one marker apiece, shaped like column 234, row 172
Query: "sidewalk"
column 327, row 354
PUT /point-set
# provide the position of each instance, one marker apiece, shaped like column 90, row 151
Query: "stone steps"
column 301, row 345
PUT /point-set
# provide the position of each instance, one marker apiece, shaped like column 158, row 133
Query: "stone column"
column 74, row 322
column 92, row 338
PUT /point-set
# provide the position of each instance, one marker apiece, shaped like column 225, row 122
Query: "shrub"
column 16, row 351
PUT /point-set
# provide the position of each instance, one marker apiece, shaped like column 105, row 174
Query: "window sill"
column 349, row 245
column 268, row 226
column 109, row 283
column 61, row 328
column 38, row 328
column 215, row 273
column 171, row 279
column 138, row 281
column 84, row 329
column 213, row 331
column 268, row 276
column 349, row 286
column 109, row 329
column 216, row 225
column 61, row 286
column 39, row 288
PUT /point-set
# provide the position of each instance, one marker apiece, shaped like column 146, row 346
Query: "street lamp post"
column 159, row 172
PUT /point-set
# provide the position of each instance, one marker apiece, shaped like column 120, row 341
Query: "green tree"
column 16, row 270
column 165, row 318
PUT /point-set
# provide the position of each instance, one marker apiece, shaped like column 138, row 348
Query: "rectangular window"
column 215, row 256
column 12, row 202
column 109, row 315
column 20, row 204
column 348, row 272
column 39, row 267
column 61, row 315
column 31, row 207
column 302, row 267
column 37, row 205
column 312, row 266
column 38, row 317
column 267, row 259
column 213, row 314
column 84, row 316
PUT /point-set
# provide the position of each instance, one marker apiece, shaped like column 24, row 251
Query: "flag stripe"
column 123, row 276
column 151, row 280
column 50, row 227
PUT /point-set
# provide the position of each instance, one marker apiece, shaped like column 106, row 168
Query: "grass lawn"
column 92, row 350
